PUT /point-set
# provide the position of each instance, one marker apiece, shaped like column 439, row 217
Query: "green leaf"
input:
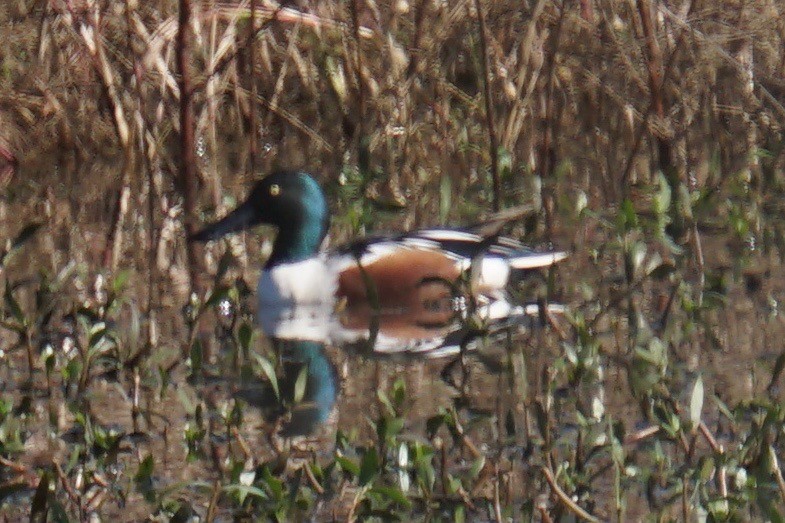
column 274, row 484
column 97, row 337
column 399, row 392
column 662, row 199
column 459, row 516
column 20, row 239
column 218, row 294
column 245, row 335
column 385, row 400
column 13, row 305
column 724, row 409
column 369, row 467
column 445, row 197
column 394, row 426
column 120, row 280
column 269, row 371
column 453, row 484
column 706, row 468
column 38, row 506
column 477, row 466
column 779, row 365
column 696, row 403
column 348, row 465
column 196, row 356
column 25, row 235
column 223, row 264
column 146, row 468
column 299, row 385
column 627, row 218
column 246, row 490
column 393, row 494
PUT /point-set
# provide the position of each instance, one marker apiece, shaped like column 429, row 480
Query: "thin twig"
column 243, row 444
column 497, row 506
column 685, row 505
column 716, row 447
column 212, row 508
column 568, row 502
column 642, row 434
column 527, row 68
column 290, row 15
column 777, row 470
column 72, row 495
column 312, row 479
column 16, row 467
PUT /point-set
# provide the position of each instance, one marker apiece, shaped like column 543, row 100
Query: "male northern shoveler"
column 393, row 271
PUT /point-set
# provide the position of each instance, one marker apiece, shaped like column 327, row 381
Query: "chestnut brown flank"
column 406, row 278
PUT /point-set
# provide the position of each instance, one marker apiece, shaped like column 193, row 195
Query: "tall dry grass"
column 443, row 108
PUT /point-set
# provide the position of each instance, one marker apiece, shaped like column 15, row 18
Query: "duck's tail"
column 534, row 260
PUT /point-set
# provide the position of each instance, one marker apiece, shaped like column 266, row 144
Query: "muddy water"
column 152, row 394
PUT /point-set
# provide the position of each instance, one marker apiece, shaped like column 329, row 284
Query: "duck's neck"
column 298, row 240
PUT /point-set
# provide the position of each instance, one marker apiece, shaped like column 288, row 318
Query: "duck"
column 394, row 272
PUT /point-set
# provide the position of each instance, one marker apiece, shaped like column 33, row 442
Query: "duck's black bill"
column 239, row 219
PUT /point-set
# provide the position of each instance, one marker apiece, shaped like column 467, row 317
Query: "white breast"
column 310, row 281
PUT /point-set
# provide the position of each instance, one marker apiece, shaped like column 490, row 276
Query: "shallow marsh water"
column 203, row 411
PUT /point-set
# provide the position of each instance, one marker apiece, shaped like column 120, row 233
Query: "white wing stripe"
column 448, row 235
column 534, row 260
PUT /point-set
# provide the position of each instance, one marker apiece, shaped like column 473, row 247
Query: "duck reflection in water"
column 301, row 335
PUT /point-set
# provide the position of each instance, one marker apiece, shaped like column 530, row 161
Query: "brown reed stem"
column 363, row 154
column 91, row 35
column 548, row 151
column 188, row 175
column 252, row 147
column 663, row 78
column 655, row 67
column 114, row 238
column 489, row 117
column 587, row 11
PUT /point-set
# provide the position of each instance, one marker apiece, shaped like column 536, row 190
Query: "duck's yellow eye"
column 275, row 189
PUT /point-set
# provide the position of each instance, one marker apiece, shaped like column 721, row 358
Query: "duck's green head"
column 289, row 200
